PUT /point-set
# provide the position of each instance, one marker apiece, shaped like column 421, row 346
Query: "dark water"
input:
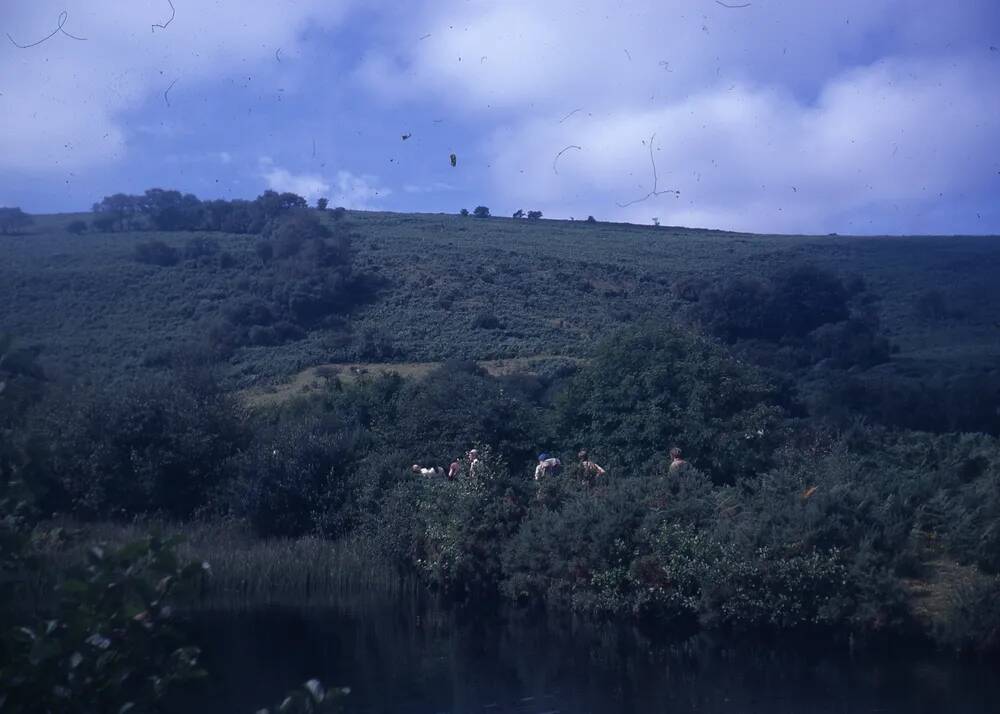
column 402, row 658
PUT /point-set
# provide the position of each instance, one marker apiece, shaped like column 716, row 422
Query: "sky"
column 780, row 116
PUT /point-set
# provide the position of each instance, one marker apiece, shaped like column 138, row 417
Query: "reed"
column 247, row 572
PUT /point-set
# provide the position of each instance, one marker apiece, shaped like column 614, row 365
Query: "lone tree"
column 534, row 215
column 464, row 212
column 322, row 203
column 481, row 212
column 13, row 220
column 519, row 213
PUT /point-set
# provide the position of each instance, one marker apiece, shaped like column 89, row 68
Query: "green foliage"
column 651, row 387
column 931, row 306
column 481, row 212
column 791, row 303
column 76, row 227
column 13, row 221
column 157, row 253
column 972, row 620
column 158, row 446
column 108, row 643
column 171, row 210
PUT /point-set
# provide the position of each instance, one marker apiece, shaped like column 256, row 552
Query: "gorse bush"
column 791, row 303
column 157, row 253
column 654, row 387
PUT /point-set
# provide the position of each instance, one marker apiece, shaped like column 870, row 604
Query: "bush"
column 13, row 221
column 294, row 477
column 464, row 212
column 971, row 623
column 591, row 219
column 199, row 247
column 931, row 305
column 322, row 203
column 103, row 224
column 651, row 387
column 339, row 212
column 108, row 641
column 854, row 342
column 792, row 303
column 157, row 253
column 486, row 321
column 481, row 212
column 76, row 227
column 534, row 215
column 293, row 230
column 158, row 446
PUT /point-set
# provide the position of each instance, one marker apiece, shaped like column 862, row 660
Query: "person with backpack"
column 547, row 466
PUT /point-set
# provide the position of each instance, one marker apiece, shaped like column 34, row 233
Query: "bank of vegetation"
column 838, row 485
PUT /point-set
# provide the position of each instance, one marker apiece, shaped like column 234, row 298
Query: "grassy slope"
column 554, row 285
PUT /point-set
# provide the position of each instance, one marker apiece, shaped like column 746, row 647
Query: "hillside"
column 553, row 287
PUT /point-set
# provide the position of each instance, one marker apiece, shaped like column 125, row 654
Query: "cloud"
column 434, row 187
column 881, row 145
column 357, row 192
column 63, row 101
column 309, row 186
column 808, row 116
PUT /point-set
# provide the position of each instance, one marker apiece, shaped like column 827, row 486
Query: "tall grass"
column 248, row 572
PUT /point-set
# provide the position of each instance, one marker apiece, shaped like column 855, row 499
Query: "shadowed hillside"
column 470, row 288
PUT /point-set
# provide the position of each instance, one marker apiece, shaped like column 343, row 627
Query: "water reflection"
column 407, row 657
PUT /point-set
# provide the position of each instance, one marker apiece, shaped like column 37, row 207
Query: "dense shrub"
column 157, row 253
column 854, row 342
column 76, row 227
column 291, row 475
column 104, row 638
column 200, row 247
column 972, row 620
column 650, row 388
column 931, row 305
column 486, row 321
column 159, row 446
column 791, row 303
column 13, row 221
column 481, row 212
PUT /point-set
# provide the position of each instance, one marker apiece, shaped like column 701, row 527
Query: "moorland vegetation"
column 842, row 435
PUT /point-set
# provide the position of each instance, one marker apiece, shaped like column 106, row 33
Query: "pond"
column 410, row 658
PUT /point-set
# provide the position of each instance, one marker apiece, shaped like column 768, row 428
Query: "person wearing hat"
column 547, row 466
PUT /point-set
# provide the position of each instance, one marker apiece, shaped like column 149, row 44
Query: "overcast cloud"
column 876, row 116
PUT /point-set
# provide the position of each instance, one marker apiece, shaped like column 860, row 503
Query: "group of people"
column 589, row 470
